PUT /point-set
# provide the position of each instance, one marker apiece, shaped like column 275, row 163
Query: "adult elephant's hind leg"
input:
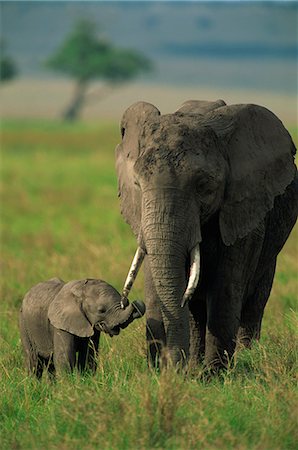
column 221, row 332
column 155, row 332
column 253, row 309
column 236, row 266
column 280, row 222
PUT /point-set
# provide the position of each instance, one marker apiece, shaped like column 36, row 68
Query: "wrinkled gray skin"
column 221, row 176
column 60, row 323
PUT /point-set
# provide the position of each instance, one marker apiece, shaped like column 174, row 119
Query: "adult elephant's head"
column 176, row 171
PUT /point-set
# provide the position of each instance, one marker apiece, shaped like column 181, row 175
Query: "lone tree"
column 8, row 69
column 86, row 57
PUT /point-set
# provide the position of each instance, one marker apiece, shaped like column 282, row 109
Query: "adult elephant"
column 210, row 193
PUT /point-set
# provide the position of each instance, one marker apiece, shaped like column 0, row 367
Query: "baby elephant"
column 60, row 323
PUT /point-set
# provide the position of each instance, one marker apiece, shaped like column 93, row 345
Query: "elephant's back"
column 34, row 314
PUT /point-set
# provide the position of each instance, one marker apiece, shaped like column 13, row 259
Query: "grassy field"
column 60, row 217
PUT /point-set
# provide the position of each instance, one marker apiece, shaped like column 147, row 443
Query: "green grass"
column 60, row 217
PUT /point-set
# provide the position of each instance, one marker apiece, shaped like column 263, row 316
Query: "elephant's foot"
column 210, row 372
column 219, row 354
column 173, row 358
column 197, row 346
column 154, row 353
column 161, row 357
column 196, row 354
column 197, row 328
column 247, row 334
column 155, row 335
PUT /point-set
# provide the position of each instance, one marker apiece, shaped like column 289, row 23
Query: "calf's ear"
column 65, row 311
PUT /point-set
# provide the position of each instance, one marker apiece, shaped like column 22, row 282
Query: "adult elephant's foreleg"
column 155, row 332
column 197, row 325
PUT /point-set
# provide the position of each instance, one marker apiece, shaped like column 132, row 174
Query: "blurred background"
column 60, row 214
column 93, row 59
column 68, row 71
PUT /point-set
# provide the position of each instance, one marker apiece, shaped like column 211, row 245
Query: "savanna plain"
column 60, row 216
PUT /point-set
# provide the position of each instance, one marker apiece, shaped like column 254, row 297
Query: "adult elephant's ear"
column 132, row 126
column 65, row 312
column 259, row 151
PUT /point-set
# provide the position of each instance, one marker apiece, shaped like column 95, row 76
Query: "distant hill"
column 227, row 44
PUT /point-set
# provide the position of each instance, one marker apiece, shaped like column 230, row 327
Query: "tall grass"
column 60, row 217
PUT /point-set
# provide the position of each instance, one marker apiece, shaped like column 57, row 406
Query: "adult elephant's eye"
column 101, row 310
column 122, row 132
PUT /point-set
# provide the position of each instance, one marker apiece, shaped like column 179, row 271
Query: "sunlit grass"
column 60, row 217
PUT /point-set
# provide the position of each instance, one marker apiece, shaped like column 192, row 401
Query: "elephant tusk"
column 133, row 271
column 124, row 302
column 193, row 276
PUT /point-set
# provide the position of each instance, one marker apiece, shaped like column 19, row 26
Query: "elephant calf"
column 60, row 323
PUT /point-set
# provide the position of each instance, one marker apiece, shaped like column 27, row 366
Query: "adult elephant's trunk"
column 168, row 270
column 168, row 238
column 171, row 242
